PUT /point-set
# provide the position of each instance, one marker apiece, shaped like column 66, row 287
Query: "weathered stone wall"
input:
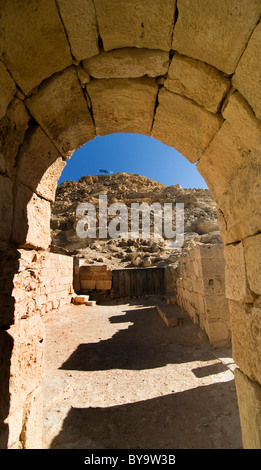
column 88, row 278
column 201, row 291
column 42, row 281
column 201, row 97
column 243, row 289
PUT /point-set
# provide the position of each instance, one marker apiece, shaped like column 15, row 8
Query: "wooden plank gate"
column 138, row 281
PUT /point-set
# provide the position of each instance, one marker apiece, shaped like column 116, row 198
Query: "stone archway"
column 187, row 73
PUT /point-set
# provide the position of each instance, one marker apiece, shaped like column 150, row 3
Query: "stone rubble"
column 200, row 220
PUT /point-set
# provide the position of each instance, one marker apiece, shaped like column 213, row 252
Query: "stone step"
column 83, row 299
column 172, row 315
column 80, row 299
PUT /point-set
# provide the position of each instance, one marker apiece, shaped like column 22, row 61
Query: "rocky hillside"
column 200, row 219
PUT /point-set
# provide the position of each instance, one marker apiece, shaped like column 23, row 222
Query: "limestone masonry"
column 187, row 73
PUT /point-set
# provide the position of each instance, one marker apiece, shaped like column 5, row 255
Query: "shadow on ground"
column 201, row 418
column 145, row 344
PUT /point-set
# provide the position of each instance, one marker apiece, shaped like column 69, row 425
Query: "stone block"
column 31, row 219
column 246, row 328
column 79, row 20
column 131, row 23
column 65, row 301
column 88, row 271
column 220, row 30
column 222, row 160
column 6, row 207
column 12, row 130
column 80, row 299
column 87, row 284
column 248, row 72
column 242, row 119
column 197, row 268
column 127, row 63
column 213, row 267
column 27, row 360
column 32, row 53
column 237, row 287
column 214, row 285
column 242, row 217
column 194, row 126
column 98, row 276
column 200, row 303
column 209, row 252
column 217, row 332
column 8, row 89
column 196, row 284
column 103, row 285
column 198, row 81
column 61, row 110
column 252, row 247
column 249, row 402
column 40, row 164
column 123, row 105
column 216, row 307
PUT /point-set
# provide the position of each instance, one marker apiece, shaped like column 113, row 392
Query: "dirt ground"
column 117, row 378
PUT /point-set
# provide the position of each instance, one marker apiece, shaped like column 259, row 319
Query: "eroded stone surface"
column 218, row 31
column 27, row 359
column 198, row 81
column 222, row 159
column 201, row 291
column 253, row 262
column 62, row 111
column 8, row 89
column 246, row 327
column 6, row 207
column 247, row 78
column 31, row 435
column 131, row 23
column 249, row 399
column 123, row 105
column 237, row 287
column 12, row 130
column 31, row 219
column 241, row 117
column 32, row 53
column 128, row 62
column 80, row 23
column 242, row 218
column 184, row 125
column 40, row 164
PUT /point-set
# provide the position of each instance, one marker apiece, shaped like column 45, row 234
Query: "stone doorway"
column 54, row 100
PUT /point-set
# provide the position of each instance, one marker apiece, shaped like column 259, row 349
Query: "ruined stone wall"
column 81, row 69
column 42, row 282
column 88, row 278
column 201, row 291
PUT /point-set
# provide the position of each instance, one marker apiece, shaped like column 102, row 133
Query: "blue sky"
column 133, row 153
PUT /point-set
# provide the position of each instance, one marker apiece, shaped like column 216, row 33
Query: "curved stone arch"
column 96, row 67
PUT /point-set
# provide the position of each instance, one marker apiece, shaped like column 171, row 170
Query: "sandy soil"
column 117, row 378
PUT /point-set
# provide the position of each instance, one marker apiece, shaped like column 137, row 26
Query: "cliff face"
column 200, row 219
